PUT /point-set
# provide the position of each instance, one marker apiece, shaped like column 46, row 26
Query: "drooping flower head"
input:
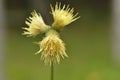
column 35, row 24
column 63, row 15
column 52, row 48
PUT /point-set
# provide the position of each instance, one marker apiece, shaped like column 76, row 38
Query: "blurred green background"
column 88, row 42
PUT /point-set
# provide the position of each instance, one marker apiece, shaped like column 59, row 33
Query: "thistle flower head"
column 63, row 15
column 35, row 24
column 51, row 48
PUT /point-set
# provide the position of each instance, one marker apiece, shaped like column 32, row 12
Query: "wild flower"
column 52, row 48
column 63, row 15
column 35, row 24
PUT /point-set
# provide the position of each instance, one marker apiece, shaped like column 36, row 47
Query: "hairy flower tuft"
column 51, row 48
column 63, row 15
column 35, row 24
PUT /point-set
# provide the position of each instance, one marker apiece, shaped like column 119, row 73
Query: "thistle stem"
column 52, row 71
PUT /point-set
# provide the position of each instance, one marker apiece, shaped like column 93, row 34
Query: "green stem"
column 52, row 71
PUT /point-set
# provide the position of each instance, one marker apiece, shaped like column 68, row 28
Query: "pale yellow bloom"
column 35, row 24
column 51, row 48
column 63, row 15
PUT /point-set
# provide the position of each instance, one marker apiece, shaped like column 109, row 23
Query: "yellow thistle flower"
column 35, row 24
column 52, row 47
column 63, row 15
